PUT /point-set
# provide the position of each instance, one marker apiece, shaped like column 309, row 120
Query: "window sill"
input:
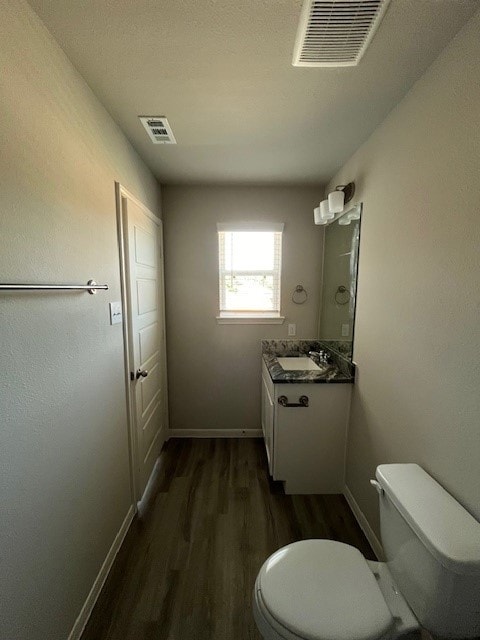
column 250, row 319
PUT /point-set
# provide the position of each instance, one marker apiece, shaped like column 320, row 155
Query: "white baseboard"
column 87, row 608
column 364, row 525
column 215, row 433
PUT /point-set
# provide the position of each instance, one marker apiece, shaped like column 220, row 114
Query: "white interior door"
column 146, row 336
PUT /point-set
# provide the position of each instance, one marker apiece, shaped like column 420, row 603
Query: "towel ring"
column 299, row 291
column 342, row 295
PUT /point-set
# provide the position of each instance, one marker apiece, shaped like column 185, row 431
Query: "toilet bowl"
column 327, row 590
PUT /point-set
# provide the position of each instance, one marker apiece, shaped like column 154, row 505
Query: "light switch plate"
column 345, row 330
column 116, row 313
column 292, row 329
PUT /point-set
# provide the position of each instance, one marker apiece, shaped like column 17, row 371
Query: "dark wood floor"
column 187, row 568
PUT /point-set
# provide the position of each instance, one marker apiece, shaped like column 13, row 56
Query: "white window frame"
column 250, row 316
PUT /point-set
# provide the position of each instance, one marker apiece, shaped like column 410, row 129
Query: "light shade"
column 336, row 200
column 317, row 217
column 325, row 212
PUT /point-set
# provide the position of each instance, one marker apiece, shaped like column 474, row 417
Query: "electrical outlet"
column 345, row 330
column 292, row 329
column 115, row 312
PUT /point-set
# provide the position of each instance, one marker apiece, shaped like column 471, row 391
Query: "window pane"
column 249, row 293
column 250, row 266
column 249, row 251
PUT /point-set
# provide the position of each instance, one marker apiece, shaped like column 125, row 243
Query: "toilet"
column 327, row 590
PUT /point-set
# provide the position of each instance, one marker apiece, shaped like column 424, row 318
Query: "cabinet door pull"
column 302, row 402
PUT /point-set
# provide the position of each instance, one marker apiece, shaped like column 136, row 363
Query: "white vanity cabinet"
column 306, row 445
column 267, row 418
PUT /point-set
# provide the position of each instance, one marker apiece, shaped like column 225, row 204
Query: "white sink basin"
column 298, row 364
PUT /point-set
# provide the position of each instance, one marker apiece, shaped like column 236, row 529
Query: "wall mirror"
column 339, row 289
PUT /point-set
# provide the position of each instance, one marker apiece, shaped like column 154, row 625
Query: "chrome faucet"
column 321, row 356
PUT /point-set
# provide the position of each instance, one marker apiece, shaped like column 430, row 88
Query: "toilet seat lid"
column 324, row 590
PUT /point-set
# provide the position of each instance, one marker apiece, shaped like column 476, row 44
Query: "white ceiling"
column 220, row 71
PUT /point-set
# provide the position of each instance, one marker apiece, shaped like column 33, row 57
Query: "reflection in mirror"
column 340, row 265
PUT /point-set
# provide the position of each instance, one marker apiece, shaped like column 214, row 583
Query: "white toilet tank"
column 432, row 547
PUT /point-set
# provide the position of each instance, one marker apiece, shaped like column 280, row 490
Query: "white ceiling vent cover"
column 158, row 129
column 336, row 33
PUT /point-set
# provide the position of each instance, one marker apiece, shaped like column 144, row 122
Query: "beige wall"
column 214, row 370
column 64, row 484
column 417, row 331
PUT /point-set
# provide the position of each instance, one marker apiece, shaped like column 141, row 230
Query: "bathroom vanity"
column 307, row 384
column 305, row 408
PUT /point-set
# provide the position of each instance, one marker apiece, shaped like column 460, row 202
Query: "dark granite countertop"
column 341, row 370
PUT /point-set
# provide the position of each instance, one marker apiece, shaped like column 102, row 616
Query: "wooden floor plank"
column 187, row 568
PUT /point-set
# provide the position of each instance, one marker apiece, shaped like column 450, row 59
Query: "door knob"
column 141, row 373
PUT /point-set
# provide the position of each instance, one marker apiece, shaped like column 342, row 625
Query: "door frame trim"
column 120, row 193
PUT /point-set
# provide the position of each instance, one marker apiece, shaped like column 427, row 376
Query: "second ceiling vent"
column 336, row 33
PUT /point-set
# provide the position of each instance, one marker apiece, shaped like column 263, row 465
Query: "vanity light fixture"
column 335, row 203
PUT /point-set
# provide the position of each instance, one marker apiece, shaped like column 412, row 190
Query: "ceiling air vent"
column 158, row 129
column 336, row 33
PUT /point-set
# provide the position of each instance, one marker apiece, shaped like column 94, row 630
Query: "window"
column 250, row 257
